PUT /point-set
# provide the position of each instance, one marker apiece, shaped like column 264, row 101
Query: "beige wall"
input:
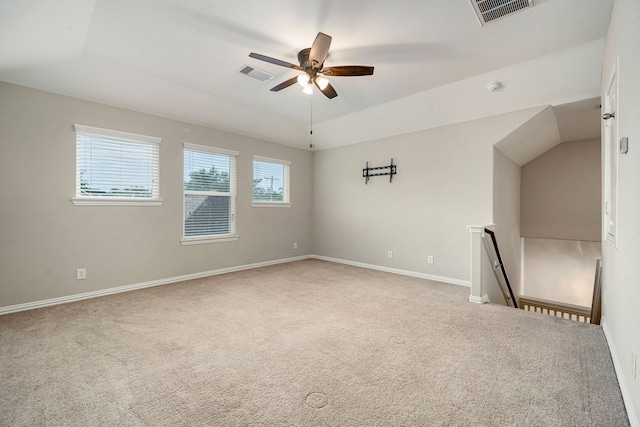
column 561, row 193
column 44, row 238
column 621, row 264
column 506, row 214
column 444, row 183
column 560, row 270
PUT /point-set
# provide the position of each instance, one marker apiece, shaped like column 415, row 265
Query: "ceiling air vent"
column 256, row 73
column 491, row 10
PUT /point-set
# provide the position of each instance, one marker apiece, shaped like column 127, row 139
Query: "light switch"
column 624, row 145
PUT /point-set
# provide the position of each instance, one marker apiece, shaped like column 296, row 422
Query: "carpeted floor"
column 309, row 343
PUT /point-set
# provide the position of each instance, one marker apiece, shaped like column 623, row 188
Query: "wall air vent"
column 255, row 73
column 492, row 10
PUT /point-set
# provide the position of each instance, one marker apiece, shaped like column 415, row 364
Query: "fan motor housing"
column 303, row 59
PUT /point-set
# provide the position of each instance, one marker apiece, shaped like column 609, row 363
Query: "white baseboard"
column 626, row 397
column 443, row 279
column 479, row 300
column 127, row 288
column 159, row 282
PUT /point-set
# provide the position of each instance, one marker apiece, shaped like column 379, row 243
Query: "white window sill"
column 207, row 240
column 91, row 201
column 270, row 205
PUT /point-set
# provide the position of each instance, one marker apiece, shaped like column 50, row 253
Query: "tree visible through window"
column 209, row 192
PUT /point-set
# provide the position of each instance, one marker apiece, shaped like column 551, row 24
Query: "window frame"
column 232, row 194
column 610, row 160
column 116, row 135
column 286, row 172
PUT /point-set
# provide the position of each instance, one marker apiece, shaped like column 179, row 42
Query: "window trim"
column 269, row 203
column 189, row 241
column 209, row 149
column 78, row 200
column 610, row 159
column 85, row 201
column 203, row 240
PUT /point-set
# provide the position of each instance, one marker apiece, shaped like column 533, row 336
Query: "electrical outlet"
column 81, row 274
column 430, row 259
column 295, row 245
column 389, row 254
column 634, row 364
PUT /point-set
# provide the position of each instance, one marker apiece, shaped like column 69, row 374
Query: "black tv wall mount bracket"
column 389, row 170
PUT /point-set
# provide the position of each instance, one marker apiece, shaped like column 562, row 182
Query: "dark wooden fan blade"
column 285, row 84
column 348, row 70
column 274, row 61
column 328, row 91
column 319, row 50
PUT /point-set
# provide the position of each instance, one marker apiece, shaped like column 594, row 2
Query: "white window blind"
column 112, row 166
column 270, row 181
column 210, row 176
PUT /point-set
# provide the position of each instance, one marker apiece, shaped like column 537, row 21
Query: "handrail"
column 504, row 272
column 596, row 302
column 557, row 309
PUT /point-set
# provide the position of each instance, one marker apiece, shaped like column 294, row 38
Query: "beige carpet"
column 309, row 343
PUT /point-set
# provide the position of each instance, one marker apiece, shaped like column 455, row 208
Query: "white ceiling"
column 433, row 60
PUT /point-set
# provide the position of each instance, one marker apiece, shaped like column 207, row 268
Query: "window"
column 270, row 182
column 116, row 168
column 209, row 194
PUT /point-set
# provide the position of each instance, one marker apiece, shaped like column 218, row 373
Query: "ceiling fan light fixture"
column 311, row 61
column 303, row 80
column 322, row 83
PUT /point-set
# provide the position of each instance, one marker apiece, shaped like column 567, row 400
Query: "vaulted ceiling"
column 433, row 60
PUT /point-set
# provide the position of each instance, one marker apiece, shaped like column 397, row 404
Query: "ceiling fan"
column 312, row 63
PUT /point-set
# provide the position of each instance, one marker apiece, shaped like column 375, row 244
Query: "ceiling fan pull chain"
column 311, row 122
